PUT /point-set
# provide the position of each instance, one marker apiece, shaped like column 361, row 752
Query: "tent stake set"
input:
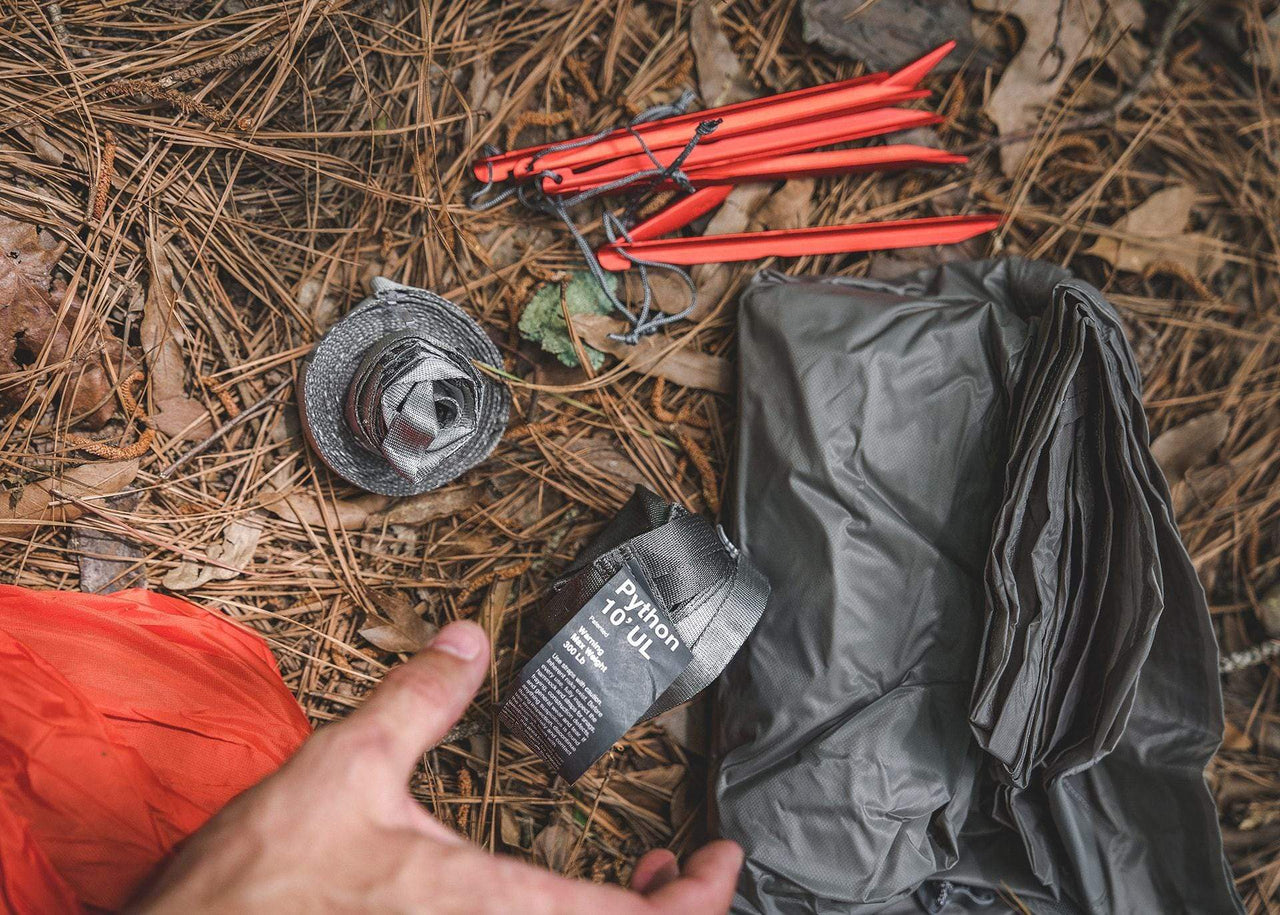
column 706, row 153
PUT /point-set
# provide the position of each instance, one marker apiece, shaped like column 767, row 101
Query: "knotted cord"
column 528, row 190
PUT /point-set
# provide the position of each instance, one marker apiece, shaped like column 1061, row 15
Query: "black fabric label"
column 597, row 676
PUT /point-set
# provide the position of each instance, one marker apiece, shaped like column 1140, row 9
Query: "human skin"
column 336, row 830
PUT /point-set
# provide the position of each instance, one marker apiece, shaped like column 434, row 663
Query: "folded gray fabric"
column 391, row 398
column 987, row 665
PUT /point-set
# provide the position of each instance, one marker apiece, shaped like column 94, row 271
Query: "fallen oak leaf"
column 45, row 148
column 159, row 328
column 667, row 292
column 431, row 506
column 734, row 215
column 1058, row 36
column 554, row 845
column 304, row 508
column 405, row 633
column 601, row 454
column 789, row 207
column 109, row 562
column 29, row 507
column 682, row 366
column 721, row 76
column 228, row 559
column 1191, row 444
column 175, row 414
column 509, row 827
column 1154, row 233
column 1204, row 484
column 182, row 418
column 37, row 325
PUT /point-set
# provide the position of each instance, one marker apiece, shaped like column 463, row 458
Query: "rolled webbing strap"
column 712, row 593
column 391, row 398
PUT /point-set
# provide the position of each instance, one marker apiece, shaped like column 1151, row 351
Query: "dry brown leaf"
column 509, row 827
column 229, row 558
column 601, row 454
column 174, row 414
column 1154, row 232
column 1269, row 611
column 721, row 76
column 1233, row 738
column 45, row 148
column 34, row 321
column 684, row 366
column 669, row 293
column 160, row 329
column 788, row 208
column 1191, row 444
column 31, row 256
column 318, row 302
column 483, row 94
column 351, row 514
column 1204, row 484
column 734, row 215
column 687, row 725
column 553, row 847
column 406, row 632
column 182, row 418
column 1058, row 36
column 24, row 508
column 430, row 506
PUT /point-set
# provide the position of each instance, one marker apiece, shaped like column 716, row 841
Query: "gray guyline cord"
column 532, row 197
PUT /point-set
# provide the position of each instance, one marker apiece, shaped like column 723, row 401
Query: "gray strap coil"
column 391, row 398
column 713, row 594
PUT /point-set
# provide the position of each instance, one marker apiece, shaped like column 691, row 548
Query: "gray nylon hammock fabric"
column 391, row 399
column 713, row 595
column 987, row 661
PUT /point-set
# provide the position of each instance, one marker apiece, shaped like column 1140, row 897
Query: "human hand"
column 336, row 830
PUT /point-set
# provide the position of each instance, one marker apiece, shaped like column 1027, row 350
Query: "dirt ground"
column 215, row 182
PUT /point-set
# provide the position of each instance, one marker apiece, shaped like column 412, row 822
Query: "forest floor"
column 216, row 182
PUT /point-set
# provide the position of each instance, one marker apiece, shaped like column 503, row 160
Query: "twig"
column 180, row 100
column 60, row 30
column 228, row 61
column 244, row 416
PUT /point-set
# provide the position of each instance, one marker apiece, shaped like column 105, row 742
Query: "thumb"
column 706, row 882
column 416, row 703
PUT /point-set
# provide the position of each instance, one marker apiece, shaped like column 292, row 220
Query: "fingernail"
column 462, row 640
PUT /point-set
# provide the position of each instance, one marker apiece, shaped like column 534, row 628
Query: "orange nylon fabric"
column 126, row 721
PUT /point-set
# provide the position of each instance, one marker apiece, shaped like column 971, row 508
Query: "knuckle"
column 420, row 683
column 357, row 744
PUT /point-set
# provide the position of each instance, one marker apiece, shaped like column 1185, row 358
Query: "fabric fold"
column 986, row 663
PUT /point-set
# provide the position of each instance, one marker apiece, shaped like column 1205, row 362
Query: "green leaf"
column 543, row 321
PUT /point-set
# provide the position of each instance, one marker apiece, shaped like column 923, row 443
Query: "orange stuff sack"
column 126, row 721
